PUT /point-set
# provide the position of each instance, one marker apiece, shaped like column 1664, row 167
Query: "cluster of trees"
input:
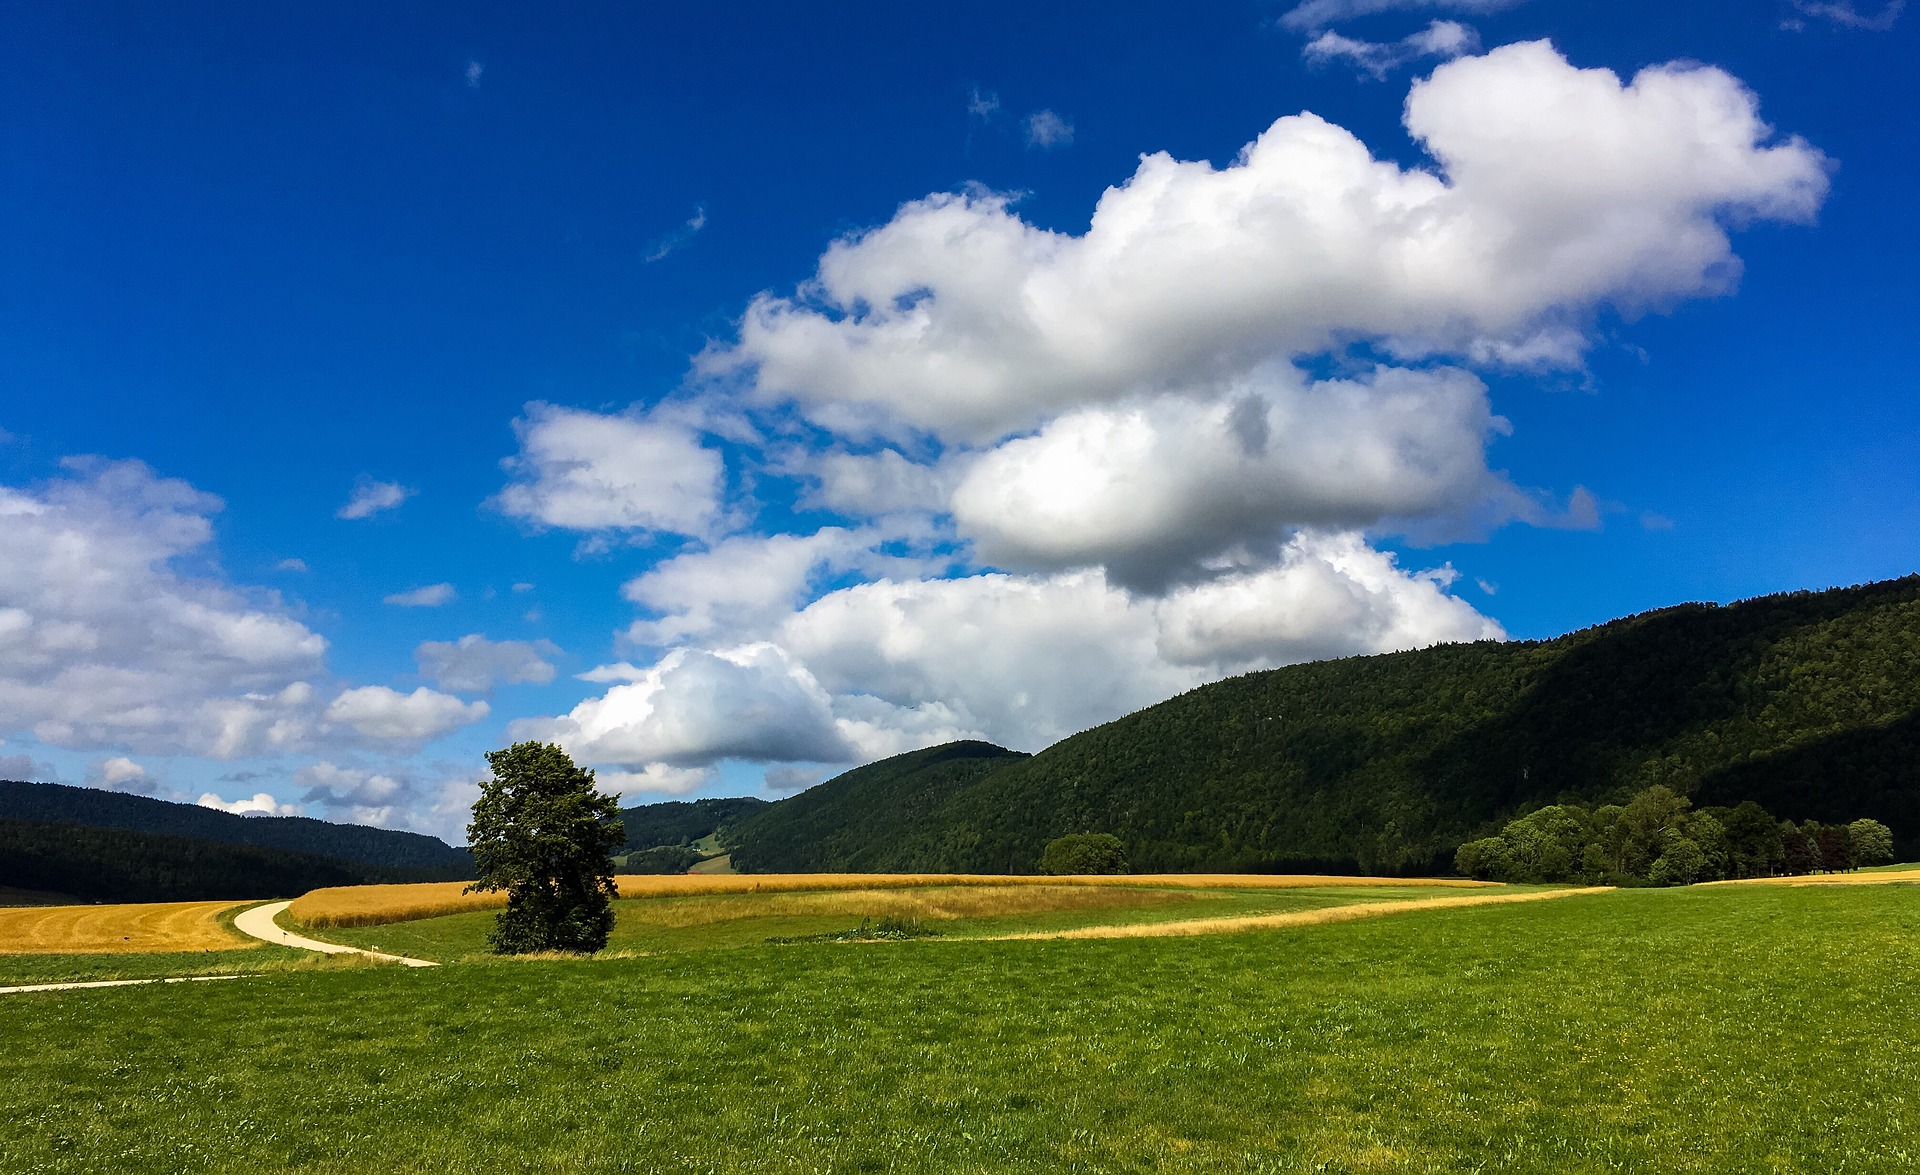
column 1081, row 854
column 1660, row 838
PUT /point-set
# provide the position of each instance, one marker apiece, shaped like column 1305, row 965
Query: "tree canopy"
column 545, row 835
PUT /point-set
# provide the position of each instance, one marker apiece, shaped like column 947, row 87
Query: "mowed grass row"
column 730, row 920
column 373, row 905
column 1732, row 1029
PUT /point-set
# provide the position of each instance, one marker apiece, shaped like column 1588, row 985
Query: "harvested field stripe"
column 1298, row 918
column 376, row 905
column 140, row 928
column 112, row 983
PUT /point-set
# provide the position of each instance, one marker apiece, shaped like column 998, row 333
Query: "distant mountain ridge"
column 1807, row 702
column 54, row 803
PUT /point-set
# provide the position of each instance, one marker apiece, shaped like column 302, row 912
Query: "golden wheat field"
column 144, row 928
column 375, row 905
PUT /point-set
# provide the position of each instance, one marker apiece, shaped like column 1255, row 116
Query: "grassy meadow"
column 1709, row 1029
column 725, row 920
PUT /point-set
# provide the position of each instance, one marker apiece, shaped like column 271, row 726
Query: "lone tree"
column 542, row 833
column 1082, row 853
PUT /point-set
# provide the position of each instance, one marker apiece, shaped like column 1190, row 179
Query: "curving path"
column 259, row 923
column 112, row 983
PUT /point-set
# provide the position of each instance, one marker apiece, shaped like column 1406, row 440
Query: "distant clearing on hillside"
column 376, row 905
column 129, row 929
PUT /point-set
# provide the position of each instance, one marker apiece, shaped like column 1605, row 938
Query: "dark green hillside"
column 115, row 865
column 429, row 857
column 886, row 816
column 681, row 822
column 1808, row 703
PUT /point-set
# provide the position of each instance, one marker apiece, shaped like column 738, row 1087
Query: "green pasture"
column 646, row 925
column 1722, row 1029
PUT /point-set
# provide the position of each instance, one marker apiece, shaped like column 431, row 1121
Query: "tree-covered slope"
column 1808, row 703
column 429, row 857
column 681, row 822
column 117, row 865
column 884, row 817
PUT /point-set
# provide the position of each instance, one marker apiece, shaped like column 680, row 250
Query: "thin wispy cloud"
column 431, row 596
column 1377, row 59
column 1847, row 12
column 372, row 497
column 291, row 565
column 983, row 104
column 680, row 237
column 474, row 70
column 1048, row 131
column 1317, row 15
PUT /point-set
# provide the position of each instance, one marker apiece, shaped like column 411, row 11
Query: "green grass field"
column 663, row 925
column 1731, row 1029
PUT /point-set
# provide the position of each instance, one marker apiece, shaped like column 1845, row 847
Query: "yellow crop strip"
column 143, row 928
column 1891, row 877
column 375, row 905
column 1297, row 918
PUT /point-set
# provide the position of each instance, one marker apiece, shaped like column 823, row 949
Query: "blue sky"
column 764, row 389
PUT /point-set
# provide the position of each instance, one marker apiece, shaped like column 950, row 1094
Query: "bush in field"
column 1083, row 853
column 1872, row 842
column 543, row 834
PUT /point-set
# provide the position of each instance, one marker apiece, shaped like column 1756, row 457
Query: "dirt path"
column 1295, row 918
column 111, row 983
column 259, row 923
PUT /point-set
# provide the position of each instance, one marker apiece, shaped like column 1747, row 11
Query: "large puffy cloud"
column 697, row 707
column 741, row 584
column 740, row 589
column 1151, row 489
column 473, row 664
column 104, row 641
column 1559, row 190
column 587, row 471
column 421, row 716
column 883, row 667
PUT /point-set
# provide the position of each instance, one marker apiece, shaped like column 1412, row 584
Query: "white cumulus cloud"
column 107, row 639
column 421, row 716
column 474, row 665
column 696, row 707
column 1557, row 191
column 587, row 471
column 258, row 804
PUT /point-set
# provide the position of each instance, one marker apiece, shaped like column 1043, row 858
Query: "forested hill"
column 1808, row 703
column 886, row 816
column 57, row 803
column 118, row 865
column 681, row 822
